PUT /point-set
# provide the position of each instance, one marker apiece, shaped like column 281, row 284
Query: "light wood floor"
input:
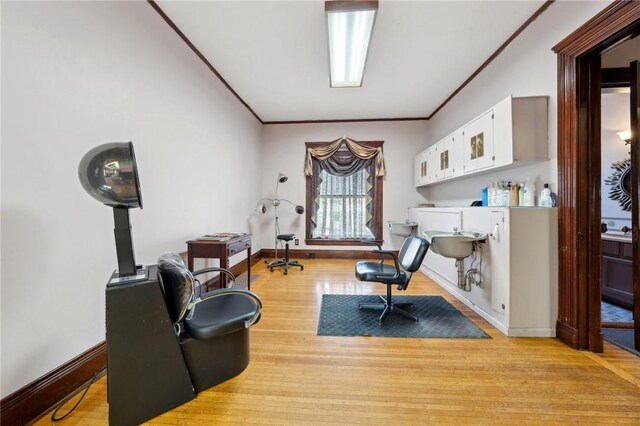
column 296, row 377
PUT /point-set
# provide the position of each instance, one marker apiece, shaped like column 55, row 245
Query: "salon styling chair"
column 409, row 259
column 212, row 329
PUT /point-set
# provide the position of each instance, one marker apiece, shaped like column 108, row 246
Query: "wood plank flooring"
column 296, row 377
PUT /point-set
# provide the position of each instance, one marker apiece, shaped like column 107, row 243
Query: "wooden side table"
column 223, row 250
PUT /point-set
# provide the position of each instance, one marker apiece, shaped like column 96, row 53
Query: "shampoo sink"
column 402, row 227
column 456, row 245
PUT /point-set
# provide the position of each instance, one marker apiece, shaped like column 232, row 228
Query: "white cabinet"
column 421, row 168
column 450, row 155
column 436, row 152
column 418, row 170
column 477, row 143
column 513, row 132
column 519, row 290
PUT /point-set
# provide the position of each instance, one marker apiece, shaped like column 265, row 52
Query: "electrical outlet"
column 296, row 242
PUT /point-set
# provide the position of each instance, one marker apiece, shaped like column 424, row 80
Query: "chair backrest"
column 412, row 253
column 178, row 284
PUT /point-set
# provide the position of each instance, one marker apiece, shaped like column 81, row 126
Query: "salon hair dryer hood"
column 109, row 174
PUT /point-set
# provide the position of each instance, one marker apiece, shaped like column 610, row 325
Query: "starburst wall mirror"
column 620, row 178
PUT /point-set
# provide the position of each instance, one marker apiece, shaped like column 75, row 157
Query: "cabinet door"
column 455, row 153
column 417, row 170
column 498, row 247
column 431, row 164
column 446, row 156
column 438, row 164
column 478, row 143
column 425, row 167
column 420, row 169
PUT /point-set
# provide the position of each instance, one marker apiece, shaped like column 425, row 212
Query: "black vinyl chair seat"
column 374, row 271
column 405, row 263
column 213, row 329
column 217, row 316
column 286, row 237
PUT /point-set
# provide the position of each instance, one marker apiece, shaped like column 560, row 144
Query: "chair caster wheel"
column 302, row 268
column 271, row 269
column 285, row 272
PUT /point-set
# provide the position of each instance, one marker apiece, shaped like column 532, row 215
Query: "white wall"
column 284, row 150
column 615, row 117
column 526, row 67
column 75, row 75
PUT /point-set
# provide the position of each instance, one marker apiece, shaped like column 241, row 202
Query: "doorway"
column 579, row 175
column 616, row 195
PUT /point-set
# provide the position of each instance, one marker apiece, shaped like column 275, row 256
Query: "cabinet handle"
column 494, row 234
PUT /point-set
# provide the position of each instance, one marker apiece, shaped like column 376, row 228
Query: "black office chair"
column 286, row 262
column 212, row 329
column 411, row 255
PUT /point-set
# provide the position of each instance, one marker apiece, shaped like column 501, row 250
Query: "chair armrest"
column 372, row 243
column 377, row 243
column 206, row 270
column 382, row 253
column 225, row 292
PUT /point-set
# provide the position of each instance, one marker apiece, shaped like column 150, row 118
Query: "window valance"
column 363, row 152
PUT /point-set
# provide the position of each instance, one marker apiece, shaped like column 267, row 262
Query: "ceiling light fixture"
column 349, row 27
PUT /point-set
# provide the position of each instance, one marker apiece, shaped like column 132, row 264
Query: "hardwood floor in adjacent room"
column 297, row 377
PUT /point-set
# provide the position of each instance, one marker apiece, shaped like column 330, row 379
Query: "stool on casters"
column 286, row 262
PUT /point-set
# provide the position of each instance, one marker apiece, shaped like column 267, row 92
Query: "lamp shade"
column 109, row 174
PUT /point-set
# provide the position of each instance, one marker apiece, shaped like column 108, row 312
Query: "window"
column 344, row 198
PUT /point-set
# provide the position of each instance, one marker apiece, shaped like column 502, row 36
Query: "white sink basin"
column 402, row 227
column 456, row 245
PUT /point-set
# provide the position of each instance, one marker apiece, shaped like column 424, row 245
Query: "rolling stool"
column 286, row 263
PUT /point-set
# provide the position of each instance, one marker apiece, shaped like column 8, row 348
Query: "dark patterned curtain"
column 343, row 203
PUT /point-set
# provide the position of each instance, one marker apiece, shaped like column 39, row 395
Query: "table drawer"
column 238, row 246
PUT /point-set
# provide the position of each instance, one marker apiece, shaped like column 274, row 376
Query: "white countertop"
column 616, row 236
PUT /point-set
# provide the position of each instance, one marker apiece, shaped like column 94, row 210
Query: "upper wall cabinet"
column 512, row 133
column 443, row 160
column 477, row 143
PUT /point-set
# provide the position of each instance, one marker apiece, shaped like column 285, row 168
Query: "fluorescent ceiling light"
column 349, row 26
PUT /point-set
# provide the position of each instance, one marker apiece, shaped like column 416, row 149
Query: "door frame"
column 579, row 176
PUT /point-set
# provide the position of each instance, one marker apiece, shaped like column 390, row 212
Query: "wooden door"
column 635, row 193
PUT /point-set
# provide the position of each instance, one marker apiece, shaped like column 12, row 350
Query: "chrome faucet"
column 456, row 232
column 625, row 230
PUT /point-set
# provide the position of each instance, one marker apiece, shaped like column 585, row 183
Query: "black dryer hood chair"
column 410, row 257
column 164, row 342
column 109, row 174
column 212, row 330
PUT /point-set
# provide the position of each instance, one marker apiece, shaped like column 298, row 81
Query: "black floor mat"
column 621, row 337
column 340, row 316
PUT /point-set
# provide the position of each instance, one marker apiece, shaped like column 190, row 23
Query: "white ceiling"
column 275, row 56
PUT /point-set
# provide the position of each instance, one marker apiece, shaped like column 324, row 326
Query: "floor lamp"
column 261, row 208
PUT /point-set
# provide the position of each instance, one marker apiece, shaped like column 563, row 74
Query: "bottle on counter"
column 514, row 198
column 506, row 194
column 492, row 194
column 521, row 195
column 500, row 194
column 529, row 193
column 545, row 197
